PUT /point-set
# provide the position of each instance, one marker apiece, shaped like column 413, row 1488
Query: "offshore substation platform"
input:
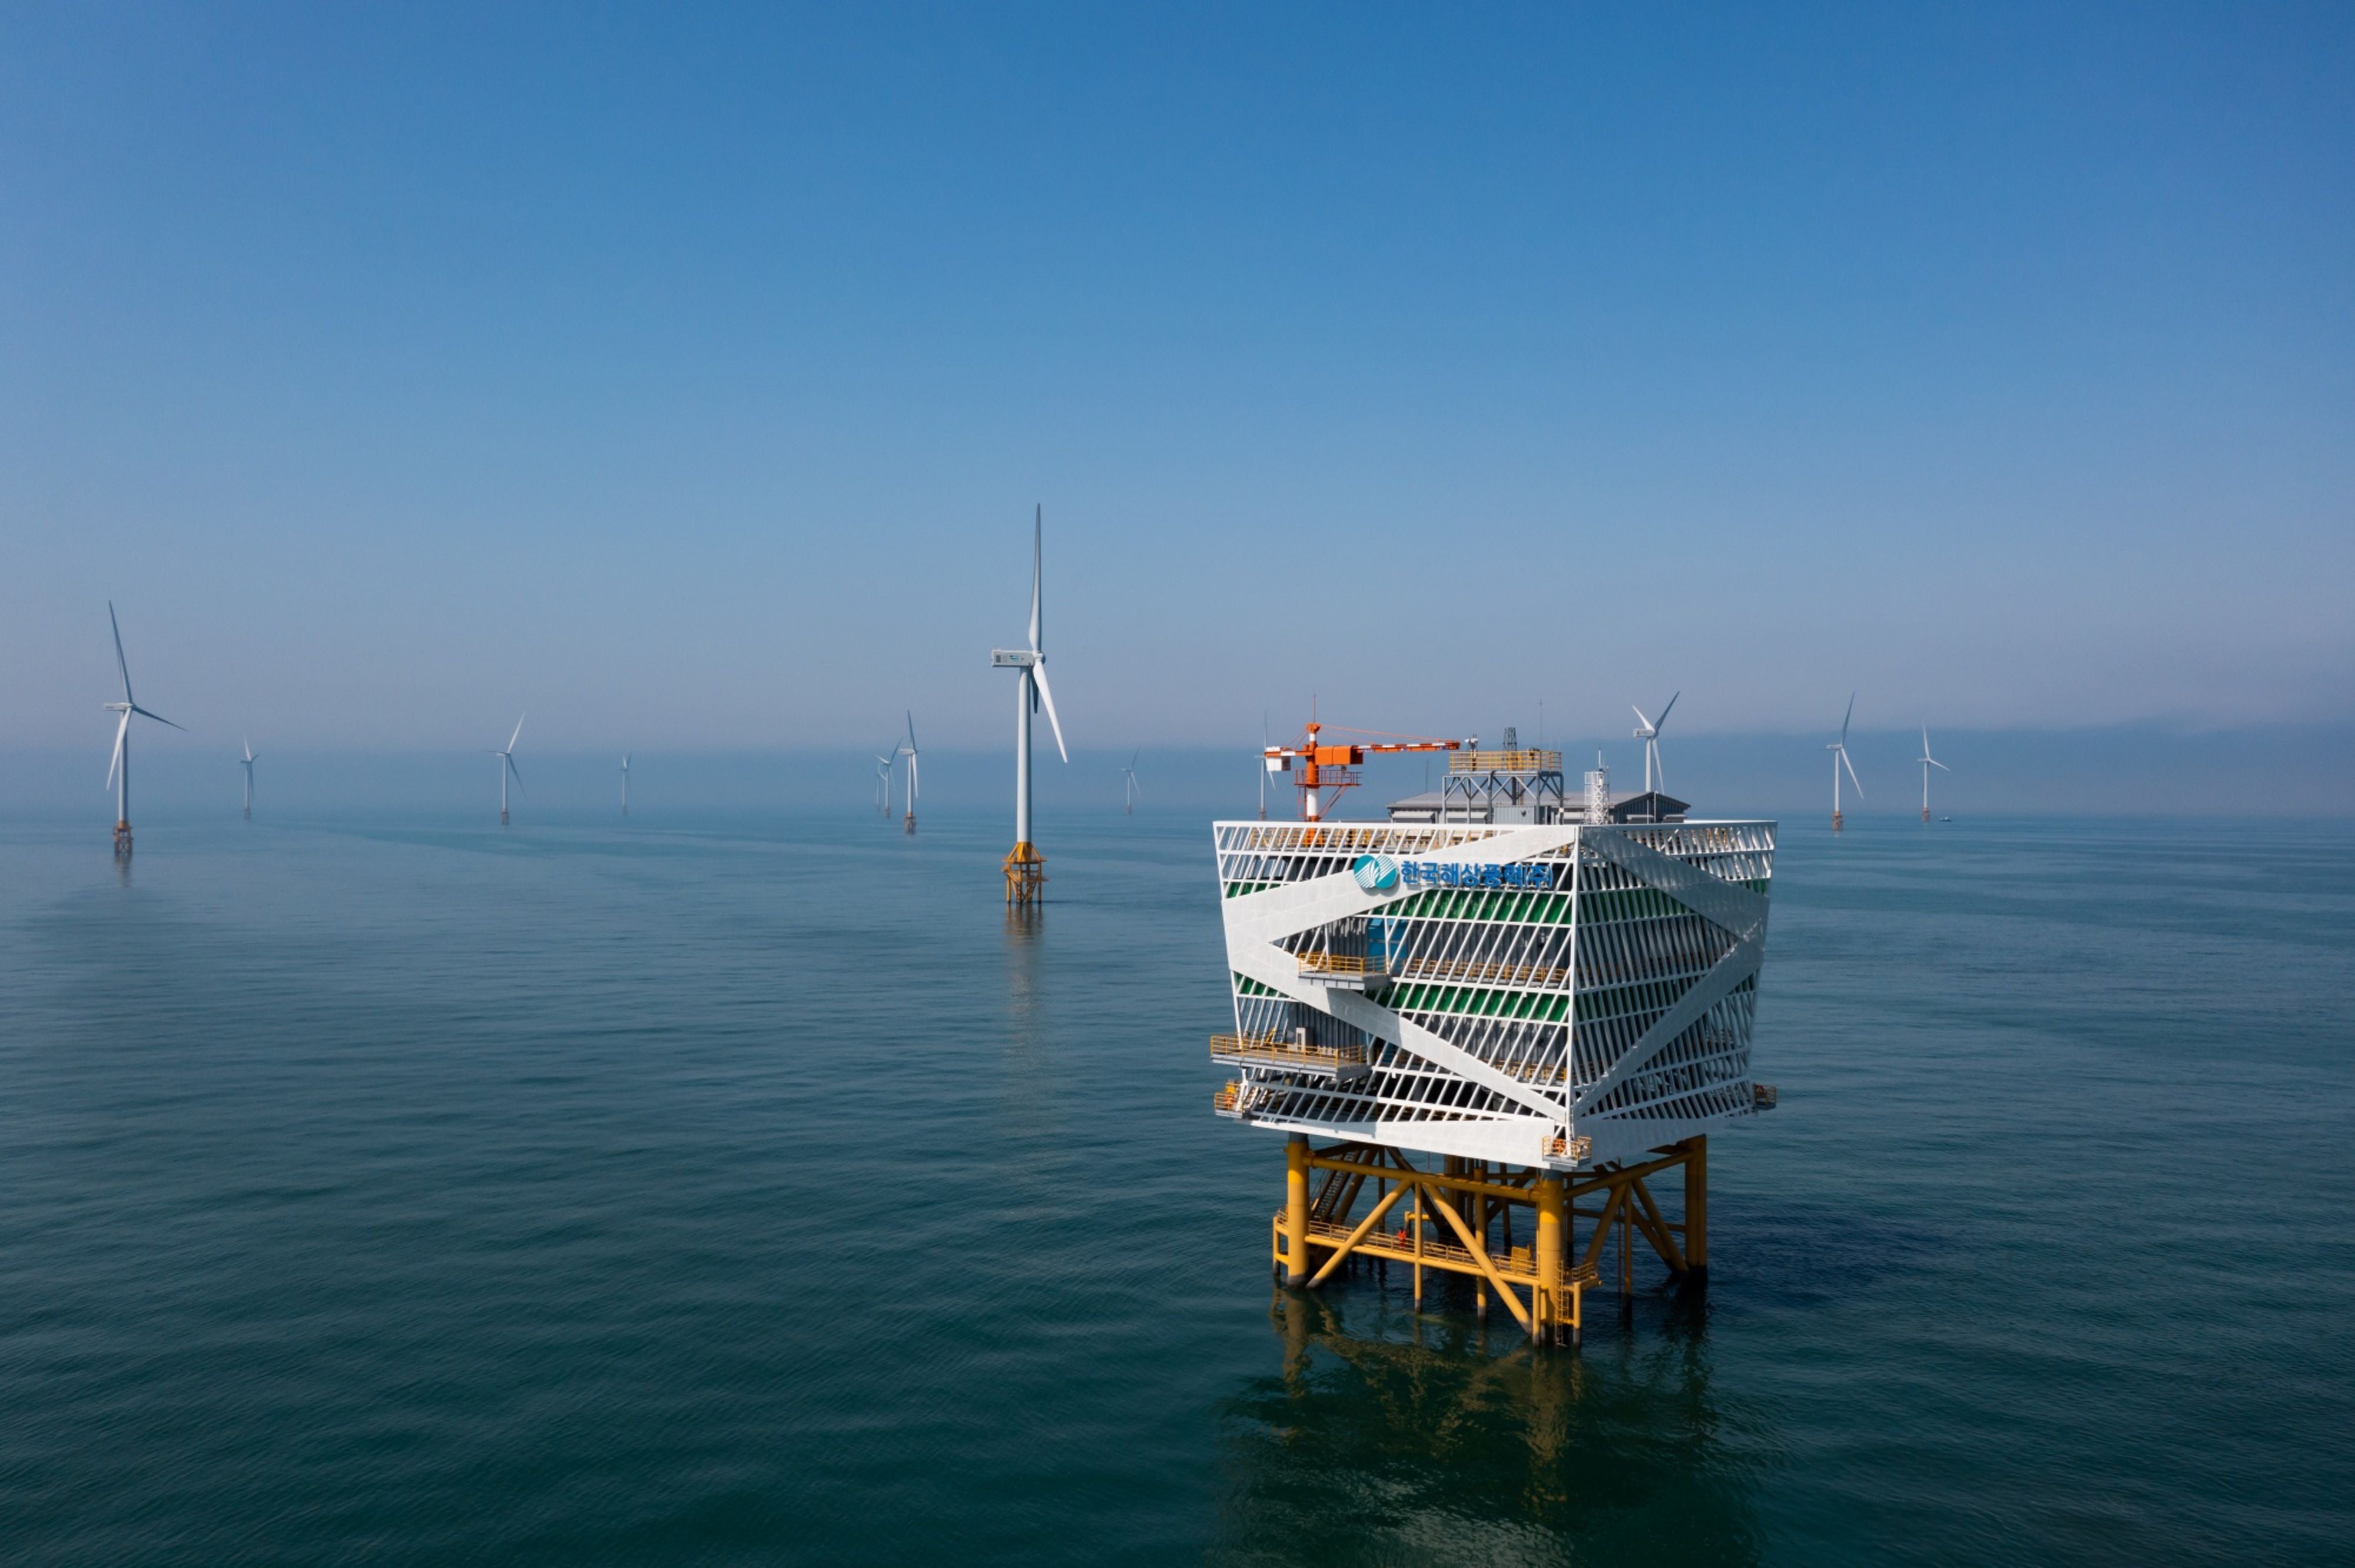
column 1489, row 1026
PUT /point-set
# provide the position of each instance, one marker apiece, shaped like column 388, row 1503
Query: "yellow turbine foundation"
column 1026, row 874
column 1448, row 1221
column 1295, row 1209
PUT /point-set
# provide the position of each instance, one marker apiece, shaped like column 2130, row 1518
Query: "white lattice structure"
column 1561, row 996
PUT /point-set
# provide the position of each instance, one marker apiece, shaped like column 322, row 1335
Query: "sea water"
column 709, row 1193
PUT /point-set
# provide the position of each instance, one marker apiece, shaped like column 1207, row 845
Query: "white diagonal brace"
column 1723, row 978
column 1280, row 972
column 1714, row 899
column 1279, row 911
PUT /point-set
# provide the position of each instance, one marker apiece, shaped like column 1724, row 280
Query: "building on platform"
column 1626, row 805
column 1464, row 1023
column 1524, row 786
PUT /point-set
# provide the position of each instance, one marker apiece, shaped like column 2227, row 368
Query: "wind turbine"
column 625, row 780
column 909, row 751
column 1839, row 748
column 1649, row 734
column 249, row 779
column 1928, row 762
column 1129, row 791
column 506, row 765
column 882, row 785
column 1026, row 869
column 118, row 772
column 1266, row 763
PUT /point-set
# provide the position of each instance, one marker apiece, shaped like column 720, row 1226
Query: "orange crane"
column 1335, row 767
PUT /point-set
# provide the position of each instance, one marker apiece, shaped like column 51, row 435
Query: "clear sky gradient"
column 687, row 378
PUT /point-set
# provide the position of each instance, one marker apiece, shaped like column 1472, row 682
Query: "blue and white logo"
column 1535, row 874
column 1375, row 873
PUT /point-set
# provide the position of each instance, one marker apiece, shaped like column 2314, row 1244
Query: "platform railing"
column 1281, row 1050
column 1519, row 761
column 1492, row 971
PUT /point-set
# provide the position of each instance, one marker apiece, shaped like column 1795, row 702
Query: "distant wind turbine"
column 1025, row 866
column 1839, row 748
column 249, row 779
column 882, row 785
column 907, row 750
column 1649, row 734
column 1129, row 792
column 625, row 783
column 1266, row 763
column 506, row 766
column 1928, row 762
column 118, row 771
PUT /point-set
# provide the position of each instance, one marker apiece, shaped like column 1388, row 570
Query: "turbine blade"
column 119, row 662
column 1852, row 773
column 1938, row 765
column 1849, row 714
column 1039, row 679
column 159, row 718
column 518, row 733
column 120, row 731
column 1664, row 712
column 514, row 769
column 1639, row 719
column 1038, row 557
column 911, row 733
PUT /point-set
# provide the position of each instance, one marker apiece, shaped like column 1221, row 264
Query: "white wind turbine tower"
column 1839, row 748
column 506, row 766
column 248, row 778
column 1928, row 762
column 118, row 772
column 1129, row 792
column 1649, row 734
column 625, row 780
column 1026, row 869
column 1265, row 764
column 907, row 750
column 882, row 785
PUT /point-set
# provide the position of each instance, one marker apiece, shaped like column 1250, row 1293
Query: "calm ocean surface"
column 425, row 1194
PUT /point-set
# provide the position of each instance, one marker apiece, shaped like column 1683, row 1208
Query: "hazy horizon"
column 2275, row 771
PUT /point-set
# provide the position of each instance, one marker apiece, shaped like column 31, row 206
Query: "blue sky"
column 689, row 380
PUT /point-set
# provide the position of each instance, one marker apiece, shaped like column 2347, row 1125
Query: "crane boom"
column 1335, row 767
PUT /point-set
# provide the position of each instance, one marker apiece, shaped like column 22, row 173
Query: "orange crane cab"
column 1335, row 767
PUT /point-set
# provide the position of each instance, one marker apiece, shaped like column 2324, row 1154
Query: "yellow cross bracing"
column 1026, row 874
column 1449, row 1215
